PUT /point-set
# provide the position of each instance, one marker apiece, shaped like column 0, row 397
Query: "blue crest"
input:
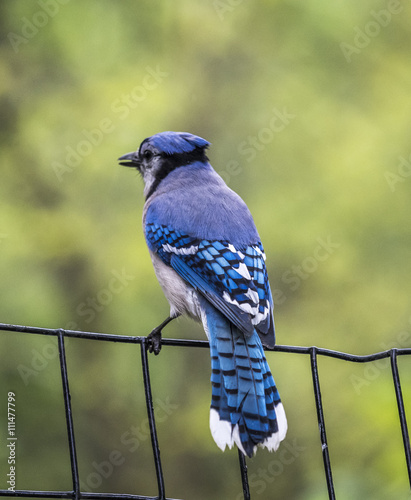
column 177, row 142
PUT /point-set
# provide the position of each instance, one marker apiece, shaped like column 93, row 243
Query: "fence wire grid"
column 312, row 352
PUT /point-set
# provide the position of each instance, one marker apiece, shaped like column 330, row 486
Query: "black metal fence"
column 313, row 352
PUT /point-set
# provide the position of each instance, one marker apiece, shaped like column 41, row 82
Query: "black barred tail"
column 245, row 408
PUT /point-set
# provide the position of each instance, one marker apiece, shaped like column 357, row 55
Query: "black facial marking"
column 171, row 162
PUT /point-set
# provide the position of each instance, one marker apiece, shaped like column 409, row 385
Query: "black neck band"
column 177, row 160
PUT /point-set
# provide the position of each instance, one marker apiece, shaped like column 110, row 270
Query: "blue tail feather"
column 244, row 395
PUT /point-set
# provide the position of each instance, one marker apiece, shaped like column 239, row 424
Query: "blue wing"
column 233, row 279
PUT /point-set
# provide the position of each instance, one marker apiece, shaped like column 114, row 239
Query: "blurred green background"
column 308, row 109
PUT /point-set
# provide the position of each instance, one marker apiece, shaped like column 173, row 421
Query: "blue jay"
column 210, row 263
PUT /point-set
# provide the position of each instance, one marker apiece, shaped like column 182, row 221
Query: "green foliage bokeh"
column 306, row 105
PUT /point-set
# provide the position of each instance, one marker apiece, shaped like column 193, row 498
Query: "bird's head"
column 162, row 153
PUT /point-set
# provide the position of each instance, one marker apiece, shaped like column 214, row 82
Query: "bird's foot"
column 154, row 341
column 154, row 338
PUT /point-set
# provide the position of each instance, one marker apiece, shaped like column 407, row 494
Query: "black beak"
column 130, row 160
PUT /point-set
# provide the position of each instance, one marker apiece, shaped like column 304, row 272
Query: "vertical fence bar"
column 69, row 417
column 401, row 411
column 244, row 475
column 150, row 412
column 321, row 424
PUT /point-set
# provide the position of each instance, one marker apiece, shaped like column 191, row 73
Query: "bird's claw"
column 154, row 341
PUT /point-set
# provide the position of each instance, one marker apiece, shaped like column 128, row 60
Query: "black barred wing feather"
column 233, row 279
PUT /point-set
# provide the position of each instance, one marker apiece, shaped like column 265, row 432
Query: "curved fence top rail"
column 110, row 337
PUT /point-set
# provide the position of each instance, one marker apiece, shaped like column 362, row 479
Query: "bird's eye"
column 148, row 154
